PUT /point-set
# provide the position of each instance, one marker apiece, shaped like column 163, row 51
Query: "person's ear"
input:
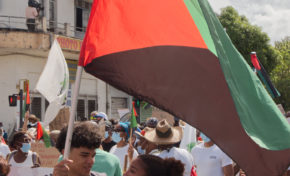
column 62, row 151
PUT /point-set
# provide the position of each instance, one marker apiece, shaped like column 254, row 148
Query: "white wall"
column 65, row 12
column 13, row 7
column 102, row 96
column 88, row 85
column 16, row 67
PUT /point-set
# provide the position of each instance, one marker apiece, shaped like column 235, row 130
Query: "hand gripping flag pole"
column 73, row 112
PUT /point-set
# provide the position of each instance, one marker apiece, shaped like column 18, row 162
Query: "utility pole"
column 21, row 108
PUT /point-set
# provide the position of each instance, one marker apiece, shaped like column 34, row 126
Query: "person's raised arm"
column 228, row 170
column 26, row 116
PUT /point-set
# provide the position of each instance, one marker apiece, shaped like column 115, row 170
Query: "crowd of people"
column 105, row 147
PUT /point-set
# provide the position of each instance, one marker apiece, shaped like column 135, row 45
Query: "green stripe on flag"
column 46, row 138
column 133, row 123
column 198, row 18
column 259, row 115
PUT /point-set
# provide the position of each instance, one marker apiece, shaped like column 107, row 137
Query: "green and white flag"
column 53, row 83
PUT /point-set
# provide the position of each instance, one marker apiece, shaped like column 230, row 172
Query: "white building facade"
column 23, row 55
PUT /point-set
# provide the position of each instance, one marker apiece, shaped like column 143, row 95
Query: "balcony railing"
column 41, row 25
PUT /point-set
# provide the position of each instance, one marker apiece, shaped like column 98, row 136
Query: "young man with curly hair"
column 86, row 139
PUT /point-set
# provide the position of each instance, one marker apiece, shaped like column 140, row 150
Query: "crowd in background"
column 106, row 147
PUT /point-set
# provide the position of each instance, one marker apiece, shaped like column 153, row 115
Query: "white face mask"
column 32, row 124
column 116, row 137
column 25, row 147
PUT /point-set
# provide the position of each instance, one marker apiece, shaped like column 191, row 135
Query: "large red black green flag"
column 176, row 55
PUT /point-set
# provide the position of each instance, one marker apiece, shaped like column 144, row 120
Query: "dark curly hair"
column 156, row 166
column 4, row 166
column 16, row 136
column 85, row 134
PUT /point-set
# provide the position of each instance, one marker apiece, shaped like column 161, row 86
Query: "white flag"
column 53, row 83
column 189, row 140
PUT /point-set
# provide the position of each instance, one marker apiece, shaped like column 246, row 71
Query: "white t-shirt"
column 179, row 154
column 209, row 161
column 4, row 150
column 28, row 162
column 121, row 152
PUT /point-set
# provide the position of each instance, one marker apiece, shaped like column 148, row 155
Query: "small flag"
column 264, row 76
column 133, row 116
column 27, row 96
column 42, row 134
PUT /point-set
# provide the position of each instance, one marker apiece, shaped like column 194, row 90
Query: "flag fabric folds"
column 42, row 134
column 53, row 83
column 176, row 55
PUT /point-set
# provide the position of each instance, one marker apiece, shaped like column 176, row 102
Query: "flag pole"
column 72, row 112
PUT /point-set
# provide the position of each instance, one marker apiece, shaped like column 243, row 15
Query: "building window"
column 81, row 110
column 82, row 14
column 52, row 15
column 36, row 107
column 85, row 106
column 92, row 106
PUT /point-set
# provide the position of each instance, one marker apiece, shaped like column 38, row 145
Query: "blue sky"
column 272, row 15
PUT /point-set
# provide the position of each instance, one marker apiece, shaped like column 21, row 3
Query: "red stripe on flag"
column 39, row 131
column 255, row 61
column 27, row 94
column 134, row 110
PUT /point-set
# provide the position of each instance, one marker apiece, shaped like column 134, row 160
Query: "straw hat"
column 143, row 132
column 164, row 134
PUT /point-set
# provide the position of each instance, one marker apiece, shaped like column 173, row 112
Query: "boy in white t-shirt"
column 210, row 160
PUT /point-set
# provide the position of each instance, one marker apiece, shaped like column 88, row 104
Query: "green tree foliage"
column 281, row 74
column 248, row 38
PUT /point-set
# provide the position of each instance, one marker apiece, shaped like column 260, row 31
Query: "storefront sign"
column 71, row 44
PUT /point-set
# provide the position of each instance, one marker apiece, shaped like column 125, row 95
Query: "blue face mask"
column 116, row 137
column 204, row 137
column 106, row 134
column 25, row 147
column 140, row 150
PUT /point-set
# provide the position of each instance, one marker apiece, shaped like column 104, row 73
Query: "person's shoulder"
column 181, row 150
column 2, row 145
column 217, row 149
column 113, row 149
column 103, row 153
column 182, row 153
column 198, row 147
